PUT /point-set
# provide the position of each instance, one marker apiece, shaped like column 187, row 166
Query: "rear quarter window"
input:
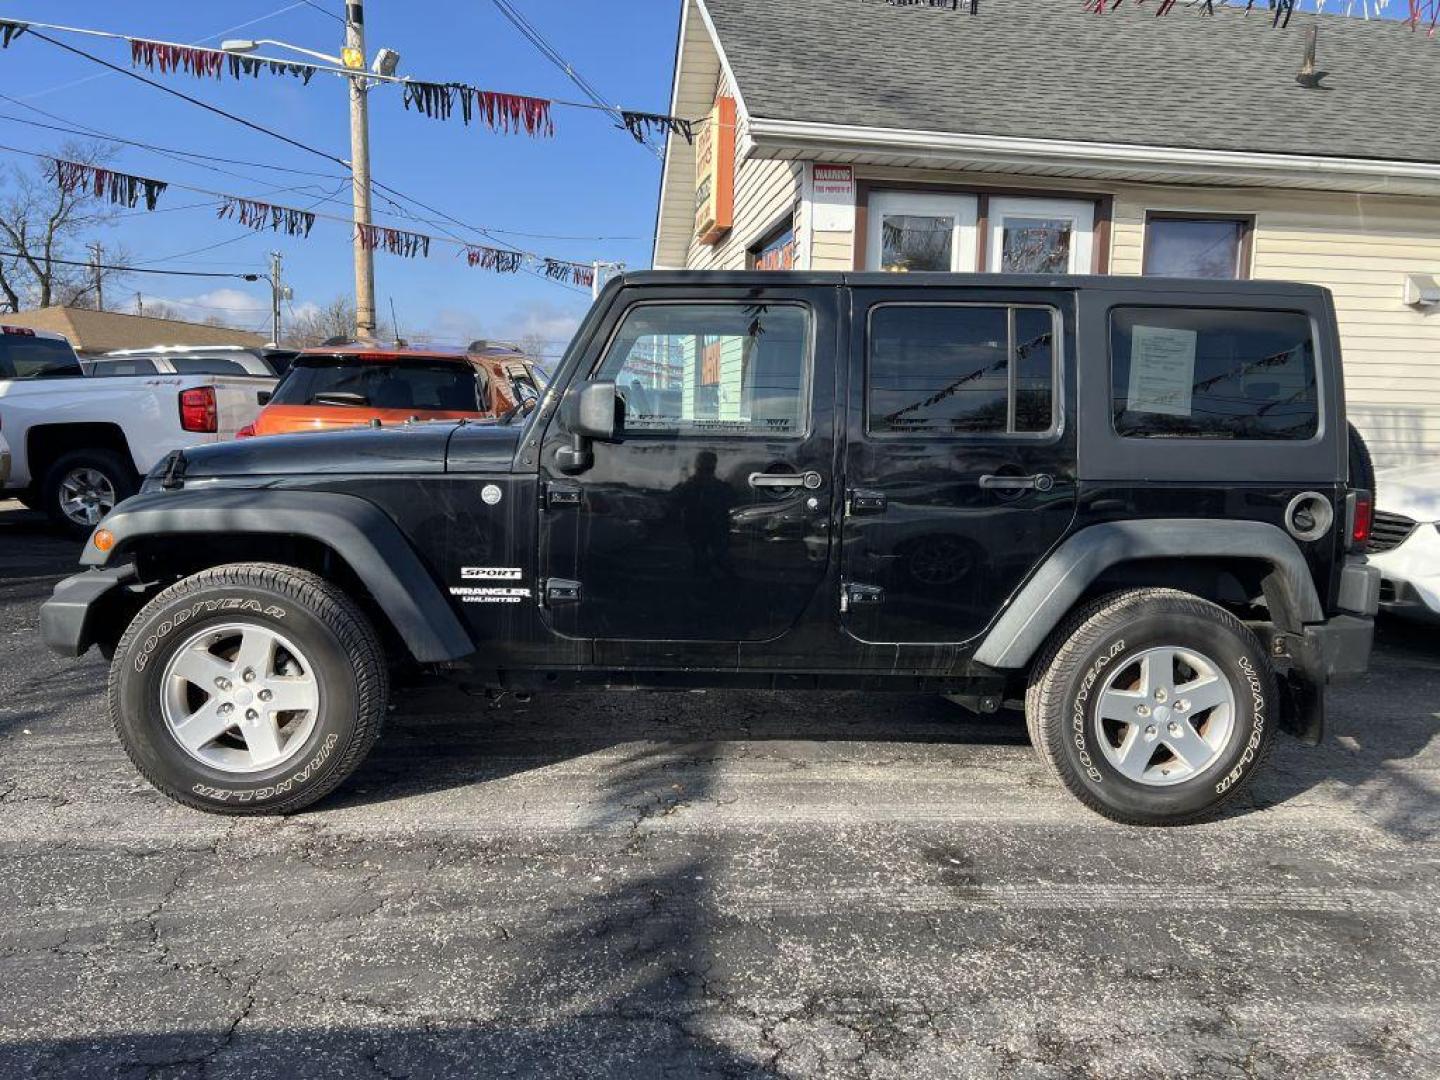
column 25, row 357
column 1213, row 373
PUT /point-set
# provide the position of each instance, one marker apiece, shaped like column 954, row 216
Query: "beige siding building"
column 876, row 137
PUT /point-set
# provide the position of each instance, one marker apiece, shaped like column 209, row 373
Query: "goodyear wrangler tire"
column 252, row 688
column 1153, row 706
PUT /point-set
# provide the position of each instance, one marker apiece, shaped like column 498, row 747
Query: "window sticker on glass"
column 1162, row 370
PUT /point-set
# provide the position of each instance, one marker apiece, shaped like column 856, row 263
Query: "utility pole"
column 276, row 288
column 360, row 165
column 97, row 252
column 139, row 303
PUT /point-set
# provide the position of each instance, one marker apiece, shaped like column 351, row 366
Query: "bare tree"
column 43, row 224
column 315, row 326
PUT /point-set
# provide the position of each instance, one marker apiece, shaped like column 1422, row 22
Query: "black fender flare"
column 358, row 531
column 1053, row 590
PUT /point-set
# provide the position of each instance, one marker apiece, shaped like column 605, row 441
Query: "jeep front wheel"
column 252, row 688
column 1153, row 706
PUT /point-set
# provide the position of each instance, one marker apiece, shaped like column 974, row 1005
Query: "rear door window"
column 102, row 369
column 961, row 369
column 439, row 386
column 25, row 357
column 1213, row 373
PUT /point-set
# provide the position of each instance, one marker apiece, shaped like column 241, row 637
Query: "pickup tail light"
column 1360, row 514
column 246, row 432
column 197, row 410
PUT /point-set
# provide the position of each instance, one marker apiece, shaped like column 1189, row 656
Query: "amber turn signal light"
column 104, row 539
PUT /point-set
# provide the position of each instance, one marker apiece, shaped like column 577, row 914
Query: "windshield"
column 438, row 385
column 26, row 357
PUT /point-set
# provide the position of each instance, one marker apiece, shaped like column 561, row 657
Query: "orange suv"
column 348, row 383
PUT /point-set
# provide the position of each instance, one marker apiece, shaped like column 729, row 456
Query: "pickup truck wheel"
column 1153, row 706
column 81, row 487
column 252, row 688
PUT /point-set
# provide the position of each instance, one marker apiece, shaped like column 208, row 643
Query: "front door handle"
column 1038, row 482
column 808, row 480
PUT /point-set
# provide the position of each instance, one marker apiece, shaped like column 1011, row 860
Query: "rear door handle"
column 809, row 480
column 1038, row 482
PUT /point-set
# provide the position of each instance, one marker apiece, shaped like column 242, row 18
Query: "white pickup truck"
column 80, row 445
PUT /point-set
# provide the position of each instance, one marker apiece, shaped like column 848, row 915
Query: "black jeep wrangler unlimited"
column 1123, row 502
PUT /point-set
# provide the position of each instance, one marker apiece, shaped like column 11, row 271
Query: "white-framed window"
column 1041, row 236
column 920, row 231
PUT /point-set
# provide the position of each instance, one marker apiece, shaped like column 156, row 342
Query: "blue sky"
column 591, row 180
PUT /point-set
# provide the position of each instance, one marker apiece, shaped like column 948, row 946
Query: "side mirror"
column 596, row 411
column 593, row 411
column 262, row 397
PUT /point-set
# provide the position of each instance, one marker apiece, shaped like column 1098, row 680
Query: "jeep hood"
column 403, row 448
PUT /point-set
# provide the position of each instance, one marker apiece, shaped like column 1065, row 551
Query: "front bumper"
column 4, row 467
column 70, row 618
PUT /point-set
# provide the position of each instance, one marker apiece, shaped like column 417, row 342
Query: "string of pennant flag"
column 503, row 112
column 130, row 190
column 1417, row 13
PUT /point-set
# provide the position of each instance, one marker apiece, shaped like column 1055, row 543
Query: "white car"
column 78, row 446
column 4, row 461
column 259, row 362
column 1405, row 540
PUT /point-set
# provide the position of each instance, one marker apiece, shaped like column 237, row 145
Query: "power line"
column 94, row 133
column 596, row 102
column 181, row 155
column 218, row 33
column 195, row 101
column 554, row 55
column 133, row 269
column 324, row 11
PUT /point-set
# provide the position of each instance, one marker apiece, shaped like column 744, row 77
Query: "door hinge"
column 561, row 495
column 560, row 591
column 853, row 594
column 860, row 501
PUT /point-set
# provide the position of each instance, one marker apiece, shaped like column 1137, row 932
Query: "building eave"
column 937, row 149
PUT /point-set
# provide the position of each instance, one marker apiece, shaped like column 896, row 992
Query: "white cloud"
column 542, row 319
column 237, row 307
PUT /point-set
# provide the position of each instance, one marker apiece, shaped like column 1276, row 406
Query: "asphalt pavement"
column 708, row 885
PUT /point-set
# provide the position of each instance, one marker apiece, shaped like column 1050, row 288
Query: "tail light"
column 1360, row 513
column 197, row 410
column 246, row 432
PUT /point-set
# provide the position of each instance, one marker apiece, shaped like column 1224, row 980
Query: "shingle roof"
column 101, row 331
column 1049, row 69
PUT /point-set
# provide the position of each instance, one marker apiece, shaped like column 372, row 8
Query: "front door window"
column 912, row 233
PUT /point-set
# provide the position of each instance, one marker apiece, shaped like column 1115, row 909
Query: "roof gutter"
column 1368, row 174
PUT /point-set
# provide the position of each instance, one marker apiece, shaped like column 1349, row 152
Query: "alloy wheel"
column 240, row 698
column 1165, row 715
column 86, row 495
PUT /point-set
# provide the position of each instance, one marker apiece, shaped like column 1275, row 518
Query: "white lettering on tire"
column 1077, row 719
column 1257, row 701
column 200, row 607
column 282, row 787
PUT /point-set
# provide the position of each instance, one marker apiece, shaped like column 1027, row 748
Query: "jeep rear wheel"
column 252, row 688
column 1153, row 706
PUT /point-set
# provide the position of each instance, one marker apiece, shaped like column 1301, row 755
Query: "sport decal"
column 490, row 573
